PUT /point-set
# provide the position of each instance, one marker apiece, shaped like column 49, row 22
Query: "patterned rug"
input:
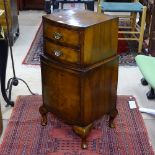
column 25, row 136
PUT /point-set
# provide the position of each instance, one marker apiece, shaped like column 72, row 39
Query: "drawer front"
column 62, row 35
column 61, row 52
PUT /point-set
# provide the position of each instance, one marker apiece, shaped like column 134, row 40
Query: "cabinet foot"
column 43, row 111
column 83, row 133
column 112, row 114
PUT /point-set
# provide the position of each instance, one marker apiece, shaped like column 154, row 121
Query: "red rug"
column 25, row 136
column 127, row 51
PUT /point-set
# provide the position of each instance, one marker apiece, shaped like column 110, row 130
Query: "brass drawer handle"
column 57, row 53
column 57, row 35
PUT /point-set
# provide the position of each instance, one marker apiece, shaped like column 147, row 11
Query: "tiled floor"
column 128, row 82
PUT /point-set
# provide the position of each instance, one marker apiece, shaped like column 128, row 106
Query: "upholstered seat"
column 122, row 7
column 146, row 65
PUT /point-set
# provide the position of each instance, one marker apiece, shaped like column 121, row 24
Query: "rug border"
column 23, row 62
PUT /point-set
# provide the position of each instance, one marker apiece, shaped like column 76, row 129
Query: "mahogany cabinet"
column 30, row 4
column 79, row 68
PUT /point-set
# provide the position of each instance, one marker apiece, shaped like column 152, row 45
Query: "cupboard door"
column 61, row 91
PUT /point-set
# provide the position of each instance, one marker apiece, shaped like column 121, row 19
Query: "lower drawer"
column 61, row 52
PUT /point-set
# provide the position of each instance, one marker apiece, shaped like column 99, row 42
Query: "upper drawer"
column 61, row 52
column 61, row 34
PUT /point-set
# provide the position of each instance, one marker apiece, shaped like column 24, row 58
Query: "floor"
column 128, row 81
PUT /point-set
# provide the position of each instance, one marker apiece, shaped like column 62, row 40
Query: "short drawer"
column 61, row 52
column 61, row 34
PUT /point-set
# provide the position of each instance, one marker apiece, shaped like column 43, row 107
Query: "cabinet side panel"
column 100, row 41
column 61, row 92
column 100, row 91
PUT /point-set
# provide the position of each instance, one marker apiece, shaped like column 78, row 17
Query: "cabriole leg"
column 112, row 115
column 83, row 133
column 43, row 111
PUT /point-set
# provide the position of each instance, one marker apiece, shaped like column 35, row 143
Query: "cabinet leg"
column 83, row 133
column 112, row 114
column 43, row 111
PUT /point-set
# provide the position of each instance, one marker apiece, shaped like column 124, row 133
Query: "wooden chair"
column 132, row 30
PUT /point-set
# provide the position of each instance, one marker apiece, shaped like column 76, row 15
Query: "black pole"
column 8, row 35
column 14, row 80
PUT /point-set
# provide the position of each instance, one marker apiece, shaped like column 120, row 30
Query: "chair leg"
column 90, row 5
column 151, row 94
column 47, row 7
column 85, row 6
column 99, row 6
column 144, row 82
column 142, row 29
column 133, row 20
column 62, row 5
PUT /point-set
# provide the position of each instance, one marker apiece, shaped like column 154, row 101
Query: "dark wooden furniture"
column 1, row 122
column 79, row 68
column 1, row 71
column 149, row 5
column 12, row 19
column 89, row 4
column 151, row 48
column 30, row 4
column 118, row 0
column 3, row 65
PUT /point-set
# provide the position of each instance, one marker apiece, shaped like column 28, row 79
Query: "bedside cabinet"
column 79, row 68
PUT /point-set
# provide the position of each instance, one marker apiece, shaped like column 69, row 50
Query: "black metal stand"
column 14, row 81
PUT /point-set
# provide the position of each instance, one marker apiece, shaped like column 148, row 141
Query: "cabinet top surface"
column 78, row 18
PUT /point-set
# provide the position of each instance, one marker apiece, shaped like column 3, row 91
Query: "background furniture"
column 3, row 65
column 30, row 4
column 151, row 48
column 1, row 121
column 149, row 5
column 146, row 65
column 79, row 68
column 89, row 4
column 5, row 42
column 12, row 19
column 3, row 62
column 132, row 29
column 118, row 0
column 1, row 47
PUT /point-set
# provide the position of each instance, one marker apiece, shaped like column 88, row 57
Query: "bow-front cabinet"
column 79, row 68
